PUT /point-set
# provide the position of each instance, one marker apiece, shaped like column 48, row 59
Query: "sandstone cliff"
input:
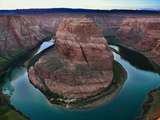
column 81, row 63
column 142, row 34
column 20, row 34
column 23, row 32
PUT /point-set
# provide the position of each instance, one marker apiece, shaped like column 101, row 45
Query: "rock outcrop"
column 24, row 32
column 79, row 40
column 20, row 34
column 79, row 66
column 152, row 106
column 142, row 34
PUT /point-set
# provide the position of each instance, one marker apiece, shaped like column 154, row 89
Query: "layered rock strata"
column 142, row 34
column 139, row 31
column 81, row 63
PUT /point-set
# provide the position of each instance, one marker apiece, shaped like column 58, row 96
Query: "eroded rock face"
column 20, row 34
column 81, row 63
column 24, row 32
column 79, row 40
column 142, row 34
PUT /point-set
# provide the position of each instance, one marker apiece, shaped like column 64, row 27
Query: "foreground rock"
column 79, row 66
column 152, row 106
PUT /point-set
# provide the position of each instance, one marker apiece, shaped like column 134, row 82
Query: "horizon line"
column 147, row 9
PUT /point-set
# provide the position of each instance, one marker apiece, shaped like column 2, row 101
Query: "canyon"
column 24, row 32
column 142, row 34
column 80, row 65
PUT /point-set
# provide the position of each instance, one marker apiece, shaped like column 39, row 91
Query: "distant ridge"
column 69, row 10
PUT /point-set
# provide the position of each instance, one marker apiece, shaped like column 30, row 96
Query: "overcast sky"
column 89, row 4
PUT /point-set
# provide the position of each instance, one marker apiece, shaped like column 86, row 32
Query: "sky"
column 86, row 4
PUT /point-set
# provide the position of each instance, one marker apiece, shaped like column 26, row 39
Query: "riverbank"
column 151, row 108
column 7, row 112
column 115, row 41
column 8, row 62
column 136, row 83
column 92, row 101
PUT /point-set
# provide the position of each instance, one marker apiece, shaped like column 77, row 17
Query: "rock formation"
column 143, row 35
column 24, row 32
column 20, row 34
column 152, row 106
column 81, row 63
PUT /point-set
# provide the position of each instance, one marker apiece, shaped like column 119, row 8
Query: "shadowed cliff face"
column 143, row 34
column 20, row 34
column 81, row 63
column 24, row 32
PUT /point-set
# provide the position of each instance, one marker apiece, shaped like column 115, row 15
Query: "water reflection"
column 45, row 45
column 134, row 58
column 7, row 88
column 125, row 106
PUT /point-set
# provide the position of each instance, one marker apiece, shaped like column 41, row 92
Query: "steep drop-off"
column 142, row 34
column 79, row 66
column 19, row 33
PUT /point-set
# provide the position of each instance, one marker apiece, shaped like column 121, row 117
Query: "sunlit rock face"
column 20, row 34
column 143, row 34
column 138, row 31
column 81, row 63
column 24, row 32
column 79, row 40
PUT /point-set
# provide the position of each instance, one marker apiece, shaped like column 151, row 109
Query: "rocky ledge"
column 142, row 34
column 20, row 33
column 79, row 66
column 151, row 106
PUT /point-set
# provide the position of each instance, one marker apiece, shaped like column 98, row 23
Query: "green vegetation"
column 108, row 93
column 58, row 64
column 7, row 59
column 12, row 58
column 91, row 101
column 7, row 112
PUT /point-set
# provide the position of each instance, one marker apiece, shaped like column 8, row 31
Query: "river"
column 126, row 105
